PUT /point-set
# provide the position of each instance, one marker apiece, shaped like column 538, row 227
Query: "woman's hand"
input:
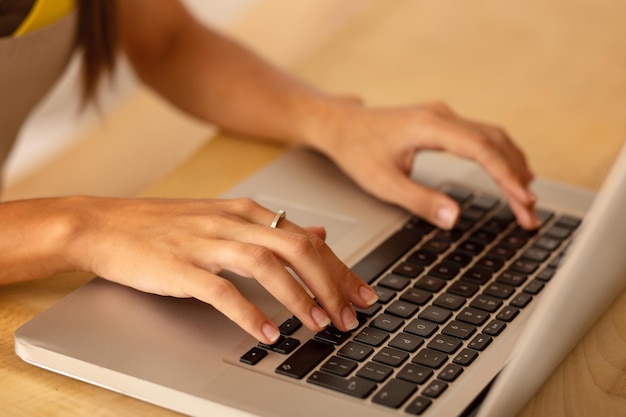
column 376, row 147
column 178, row 248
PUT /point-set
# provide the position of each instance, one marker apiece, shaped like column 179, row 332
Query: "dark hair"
column 97, row 38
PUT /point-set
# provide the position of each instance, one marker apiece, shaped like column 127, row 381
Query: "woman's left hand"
column 376, row 147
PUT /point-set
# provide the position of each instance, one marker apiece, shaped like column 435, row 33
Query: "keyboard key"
column 546, row 274
column 418, row 406
column 508, row 313
column 303, row 360
column 451, row 372
column 458, row 258
column 450, row 301
column 402, row 309
column 375, row 372
column 464, row 289
column 544, row 216
column 547, row 243
column 498, row 290
column 387, row 322
column 339, row 366
column 355, row 386
column 409, row 270
column 290, row 326
column 435, row 388
column 394, row 282
column 445, row 344
column 486, row 302
column 494, row 328
column 416, row 374
column 332, row 335
column 459, row 330
column 472, row 214
column 287, row 346
column 480, row 342
column 371, row 336
column 395, row 393
column 521, row 300
column 477, row 275
column 281, row 338
column 416, row 296
column 253, row 356
column 431, row 284
column 391, row 357
column 511, row 277
column 422, row 257
column 430, row 358
column 355, row 351
column 444, row 271
column 490, row 263
column 465, row 357
column 513, row 241
column 369, row 311
column 483, row 236
column 471, row 247
column 534, row 287
column 501, row 252
column 568, row 222
column 384, row 294
column 417, row 225
column 406, row 342
column 473, row 316
column 560, row 233
column 436, row 246
column 388, row 252
column 421, row 328
column 525, row 266
column 435, row 314
column 536, row 254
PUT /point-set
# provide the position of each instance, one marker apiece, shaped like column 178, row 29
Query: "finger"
column 335, row 287
column 319, row 231
column 493, row 153
column 393, row 186
column 333, row 284
column 224, row 296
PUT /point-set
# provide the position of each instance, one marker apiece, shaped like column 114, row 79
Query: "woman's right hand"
column 178, row 248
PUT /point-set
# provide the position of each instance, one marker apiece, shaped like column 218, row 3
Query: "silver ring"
column 281, row 214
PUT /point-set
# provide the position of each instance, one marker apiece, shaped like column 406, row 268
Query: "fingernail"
column 446, row 217
column 349, row 318
column 320, row 317
column 270, row 332
column 368, row 295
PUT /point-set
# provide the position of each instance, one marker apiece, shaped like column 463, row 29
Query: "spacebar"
column 381, row 258
column 303, row 360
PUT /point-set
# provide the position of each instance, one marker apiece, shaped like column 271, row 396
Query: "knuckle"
column 221, row 289
column 300, row 244
column 245, row 205
column 261, row 255
column 439, row 107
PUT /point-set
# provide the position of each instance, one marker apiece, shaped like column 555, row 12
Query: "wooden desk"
column 551, row 72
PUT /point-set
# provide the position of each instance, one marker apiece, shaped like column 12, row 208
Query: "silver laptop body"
column 184, row 355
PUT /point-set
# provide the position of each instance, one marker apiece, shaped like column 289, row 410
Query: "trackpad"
column 337, row 225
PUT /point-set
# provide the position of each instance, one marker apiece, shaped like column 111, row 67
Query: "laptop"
column 459, row 311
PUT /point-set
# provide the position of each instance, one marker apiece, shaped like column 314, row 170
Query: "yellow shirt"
column 44, row 13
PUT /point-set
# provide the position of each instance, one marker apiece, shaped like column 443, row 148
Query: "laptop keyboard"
column 444, row 297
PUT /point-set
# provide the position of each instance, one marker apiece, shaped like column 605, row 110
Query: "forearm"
column 36, row 239
column 216, row 79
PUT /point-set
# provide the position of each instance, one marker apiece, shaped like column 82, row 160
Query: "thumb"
column 431, row 205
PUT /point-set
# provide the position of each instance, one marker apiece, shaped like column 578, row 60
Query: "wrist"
column 324, row 121
column 39, row 238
